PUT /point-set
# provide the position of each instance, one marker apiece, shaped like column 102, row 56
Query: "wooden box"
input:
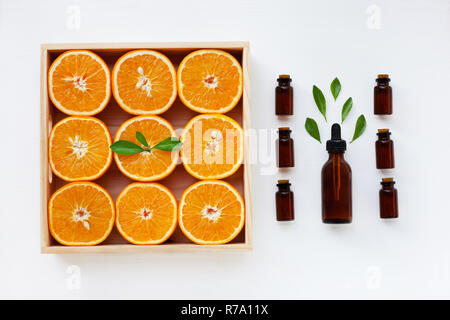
column 113, row 180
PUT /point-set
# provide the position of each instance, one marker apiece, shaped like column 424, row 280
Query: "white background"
column 314, row 41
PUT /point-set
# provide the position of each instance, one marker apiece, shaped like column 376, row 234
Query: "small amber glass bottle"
column 285, row 148
column 336, row 181
column 284, row 201
column 383, row 95
column 384, row 149
column 388, row 199
column 284, row 96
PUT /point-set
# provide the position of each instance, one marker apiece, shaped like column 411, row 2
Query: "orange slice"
column 144, row 82
column 81, row 214
column 212, row 146
column 146, row 166
column 211, row 212
column 146, row 213
column 79, row 83
column 210, row 81
column 79, row 148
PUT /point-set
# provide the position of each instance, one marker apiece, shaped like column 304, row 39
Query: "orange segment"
column 212, row 146
column 146, row 166
column 146, row 213
column 81, row 214
column 211, row 212
column 210, row 81
column 79, row 148
column 144, row 82
column 79, row 83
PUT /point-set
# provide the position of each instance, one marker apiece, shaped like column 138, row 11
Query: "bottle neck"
column 284, row 187
column 284, row 82
column 336, row 153
column 383, row 135
column 387, row 185
column 383, row 82
column 284, row 135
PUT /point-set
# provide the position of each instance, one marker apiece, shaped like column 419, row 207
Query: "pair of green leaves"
column 313, row 130
column 124, row 147
column 335, row 88
column 321, row 103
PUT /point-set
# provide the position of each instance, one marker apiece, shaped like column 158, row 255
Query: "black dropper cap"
column 336, row 143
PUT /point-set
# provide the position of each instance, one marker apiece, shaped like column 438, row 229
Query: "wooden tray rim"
column 46, row 247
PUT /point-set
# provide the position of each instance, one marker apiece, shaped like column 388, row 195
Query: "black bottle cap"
column 387, row 181
column 383, row 133
column 284, row 78
column 336, row 143
column 284, row 130
column 283, row 183
column 383, row 78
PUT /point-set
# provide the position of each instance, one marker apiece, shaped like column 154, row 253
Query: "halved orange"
column 210, row 81
column 79, row 148
column 211, row 212
column 146, row 213
column 143, row 82
column 79, row 83
column 146, row 166
column 80, row 214
column 212, row 146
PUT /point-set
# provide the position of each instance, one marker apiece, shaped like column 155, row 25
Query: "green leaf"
column 359, row 128
column 140, row 137
column 335, row 88
column 125, row 147
column 312, row 129
column 346, row 108
column 168, row 144
column 320, row 101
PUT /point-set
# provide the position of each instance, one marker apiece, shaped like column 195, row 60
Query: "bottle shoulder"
column 281, row 88
column 384, row 142
column 285, row 140
column 382, row 88
column 391, row 190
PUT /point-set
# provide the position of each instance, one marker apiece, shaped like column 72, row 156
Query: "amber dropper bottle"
column 336, row 181
column 285, row 148
column 388, row 199
column 383, row 95
column 284, row 198
column 384, row 150
column 284, row 96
